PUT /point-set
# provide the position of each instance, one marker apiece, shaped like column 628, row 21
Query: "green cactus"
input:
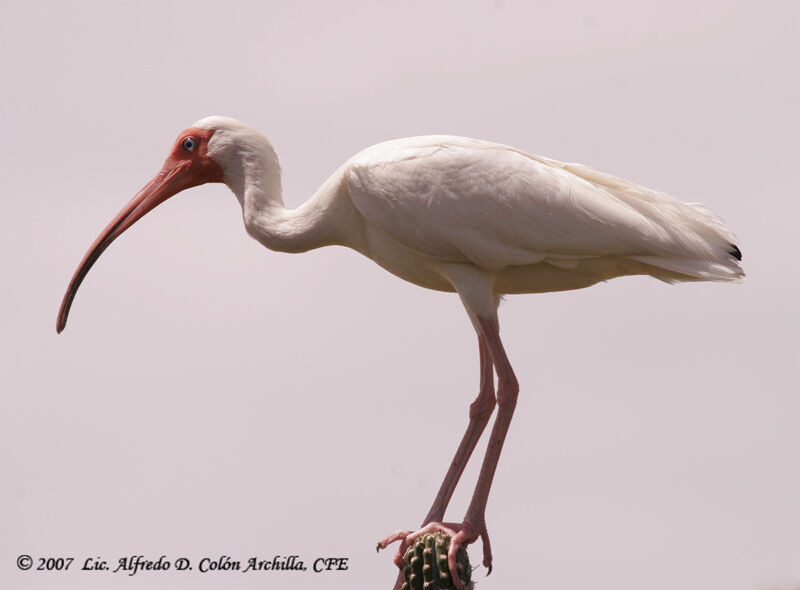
column 427, row 569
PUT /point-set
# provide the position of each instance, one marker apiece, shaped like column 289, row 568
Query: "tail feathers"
column 699, row 245
column 697, row 269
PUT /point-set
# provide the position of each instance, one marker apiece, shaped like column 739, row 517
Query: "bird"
column 452, row 214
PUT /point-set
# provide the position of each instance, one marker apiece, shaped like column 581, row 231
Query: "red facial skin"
column 182, row 169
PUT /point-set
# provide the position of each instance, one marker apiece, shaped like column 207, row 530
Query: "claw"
column 487, row 550
column 398, row 535
column 461, row 534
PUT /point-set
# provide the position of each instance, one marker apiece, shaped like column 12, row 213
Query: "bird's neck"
column 317, row 222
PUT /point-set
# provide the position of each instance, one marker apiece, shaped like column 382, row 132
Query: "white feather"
column 436, row 209
column 462, row 200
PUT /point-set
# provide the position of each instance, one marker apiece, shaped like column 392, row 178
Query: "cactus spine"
column 427, row 569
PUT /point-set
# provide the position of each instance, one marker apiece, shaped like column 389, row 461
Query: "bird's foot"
column 461, row 535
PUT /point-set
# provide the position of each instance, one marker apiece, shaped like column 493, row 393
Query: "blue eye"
column 188, row 144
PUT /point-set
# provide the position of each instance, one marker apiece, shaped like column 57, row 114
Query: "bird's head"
column 215, row 149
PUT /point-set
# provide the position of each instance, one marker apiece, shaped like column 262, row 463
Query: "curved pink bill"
column 167, row 183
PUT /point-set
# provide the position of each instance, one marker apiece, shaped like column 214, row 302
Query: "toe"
column 487, row 551
column 398, row 535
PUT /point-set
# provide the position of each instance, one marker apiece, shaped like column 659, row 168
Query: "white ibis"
column 452, row 214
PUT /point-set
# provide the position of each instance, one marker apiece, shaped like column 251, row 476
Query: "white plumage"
column 454, row 199
column 419, row 205
column 453, row 214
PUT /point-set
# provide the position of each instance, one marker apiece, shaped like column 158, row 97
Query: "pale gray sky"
column 210, row 397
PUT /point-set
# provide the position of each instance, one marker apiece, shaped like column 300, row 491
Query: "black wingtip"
column 735, row 252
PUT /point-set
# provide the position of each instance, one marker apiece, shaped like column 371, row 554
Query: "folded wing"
column 458, row 199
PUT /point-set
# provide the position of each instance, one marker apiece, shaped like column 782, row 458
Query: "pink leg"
column 474, row 524
column 479, row 412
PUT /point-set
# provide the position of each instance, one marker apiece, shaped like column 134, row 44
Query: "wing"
column 457, row 199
